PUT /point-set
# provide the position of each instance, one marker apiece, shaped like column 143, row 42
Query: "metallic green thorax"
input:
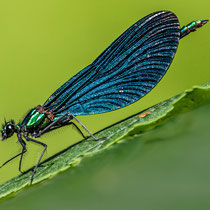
column 35, row 119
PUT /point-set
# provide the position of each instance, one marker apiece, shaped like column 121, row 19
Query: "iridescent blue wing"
column 125, row 72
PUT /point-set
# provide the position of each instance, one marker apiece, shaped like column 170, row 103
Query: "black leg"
column 23, row 144
column 79, row 130
column 20, row 162
column 83, row 126
column 23, row 151
column 66, row 124
column 45, row 147
column 71, row 116
column 59, row 119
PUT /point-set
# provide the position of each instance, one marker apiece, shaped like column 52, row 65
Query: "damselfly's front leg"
column 23, row 144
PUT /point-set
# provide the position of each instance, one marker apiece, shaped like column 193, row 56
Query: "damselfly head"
column 8, row 129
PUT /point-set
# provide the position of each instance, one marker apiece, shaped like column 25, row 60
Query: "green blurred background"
column 44, row 43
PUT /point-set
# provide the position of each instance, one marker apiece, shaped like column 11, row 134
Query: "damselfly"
column 125, row 72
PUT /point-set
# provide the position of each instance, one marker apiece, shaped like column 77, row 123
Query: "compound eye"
column 10, row 130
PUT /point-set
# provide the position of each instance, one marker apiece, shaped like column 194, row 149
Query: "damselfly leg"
column 40, row 158
column 23, row 144
column 71, row 116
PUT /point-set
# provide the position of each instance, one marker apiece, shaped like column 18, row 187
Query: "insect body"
column 125, row 72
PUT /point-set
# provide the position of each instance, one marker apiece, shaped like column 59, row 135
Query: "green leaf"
column 128, row 129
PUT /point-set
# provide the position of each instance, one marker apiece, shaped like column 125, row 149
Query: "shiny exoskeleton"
column 125, row 72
